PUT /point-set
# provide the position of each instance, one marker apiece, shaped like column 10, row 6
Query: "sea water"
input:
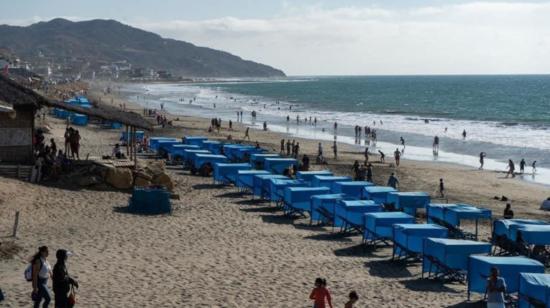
column 508, row 117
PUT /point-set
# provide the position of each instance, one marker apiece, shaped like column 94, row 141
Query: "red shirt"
column 318, row 296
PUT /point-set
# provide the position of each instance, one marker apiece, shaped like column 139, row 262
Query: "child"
column 353, row 298
column 319, row 293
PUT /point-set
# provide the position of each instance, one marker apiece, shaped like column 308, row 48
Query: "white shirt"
column 45, row 269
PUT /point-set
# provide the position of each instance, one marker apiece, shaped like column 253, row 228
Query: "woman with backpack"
column 40, row 273
column 62, row 282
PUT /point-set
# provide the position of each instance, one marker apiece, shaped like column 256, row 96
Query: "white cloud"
column 477, row 37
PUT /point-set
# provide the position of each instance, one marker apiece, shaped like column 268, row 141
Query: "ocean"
column 508, row 116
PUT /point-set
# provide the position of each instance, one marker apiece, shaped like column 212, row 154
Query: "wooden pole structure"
column 16, row 224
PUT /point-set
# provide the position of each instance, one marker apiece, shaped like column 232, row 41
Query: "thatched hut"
column 17, row 121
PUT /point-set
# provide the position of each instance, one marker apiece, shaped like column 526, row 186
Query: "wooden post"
column 135, row 148
column 16, row 224
column 127, row 142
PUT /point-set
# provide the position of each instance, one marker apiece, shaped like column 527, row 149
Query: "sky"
column 336, row 37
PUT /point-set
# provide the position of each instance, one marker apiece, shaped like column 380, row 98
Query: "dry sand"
column 219, row 249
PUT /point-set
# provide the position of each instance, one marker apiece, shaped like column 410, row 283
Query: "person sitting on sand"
column 496, row 288
column 508, row 213
column 61, row 281
column 320, row 294
column 393, row 181
column 353, row 298
column 382, row 156
column 117, row 152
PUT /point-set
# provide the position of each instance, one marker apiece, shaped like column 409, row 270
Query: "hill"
column 97, row 42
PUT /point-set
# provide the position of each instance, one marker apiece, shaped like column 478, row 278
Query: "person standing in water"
column 335, row 127
column 534, row 167
column 464, row 134
column 402, row 142
column 482, row 160
column 511, row 169
column 436, row 145
column 522, row 164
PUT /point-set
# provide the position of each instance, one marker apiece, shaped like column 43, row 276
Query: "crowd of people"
column 50, row 161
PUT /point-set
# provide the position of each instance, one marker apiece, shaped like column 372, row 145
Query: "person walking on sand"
column 355, row 169
column 297, row 150
column 67, row 135
column 511, row 169
column 496, row 288
column 320, row 150
column 353, row 298
column 41, row 273
column 282, row 146
column 75, row 144
column 382, row 156
column 441, row 188
column 335, row 149
column 397, row 156
column 246, row 133
column 288, row 147
column 482, row 160
column 320, row 294
column 369, row 173
column 230, row 125
column 393, row 181
column 366, row 154
column 522, row 164
column 62, row 283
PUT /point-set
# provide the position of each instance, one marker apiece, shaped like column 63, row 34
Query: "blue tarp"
column 150, row 201
column 79, row 119
column 380, row 225
column 352, row 212
column 230, row 150
column 279, row 165
column 309, row 175
column 328, row 180
column 139, row 136
column 409, row 201
column 325, row 204
column 410, row 237
column 212, row 146
column 257, row 159
column 176, row 150
column 194, row 140
column 352, row 189
column 509, row 228
column 277, row 187
column 534, row 286
column 452, row 253
column 201, row 159
column 245, row 178
column 154, row 141
column 227, row 173
column 164, row 146
column 189, row 156
column 243, row 154
column 454, row 213
column 378, row 194
column 534, row 234
column 479, row 269
column 299, row 198
column 259, row 180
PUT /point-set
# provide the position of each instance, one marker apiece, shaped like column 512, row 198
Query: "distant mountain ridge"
column 100, row 41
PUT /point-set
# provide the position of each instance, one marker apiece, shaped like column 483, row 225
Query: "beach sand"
column 220, row 249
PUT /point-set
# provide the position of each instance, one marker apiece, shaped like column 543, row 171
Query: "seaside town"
column 127, row 182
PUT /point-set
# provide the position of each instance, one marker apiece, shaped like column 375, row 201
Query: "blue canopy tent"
column 257, row 159
column 379, row 226
column 298, row 199
column 409, row 202
column 187, row 156
column 447, row 259
column 353, row 189
column 277, row 188
column 150, row 201
column 533, row 232
column 194, row 140
column 176, row 151
column 534, row 290
column 279, row 165
column 479, row 269
column 259, row 188
column 450, row 216
column 226, row 173
column 351, row 213
column 309, row 175
column 245, row 179
column 154, row 142
column 323, row 208
column 213, row 146
column 328, row 180
column 204, row 163
column 408, row 239
column 378, row 194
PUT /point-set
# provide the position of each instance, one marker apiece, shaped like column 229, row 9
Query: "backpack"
column 28, row 271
